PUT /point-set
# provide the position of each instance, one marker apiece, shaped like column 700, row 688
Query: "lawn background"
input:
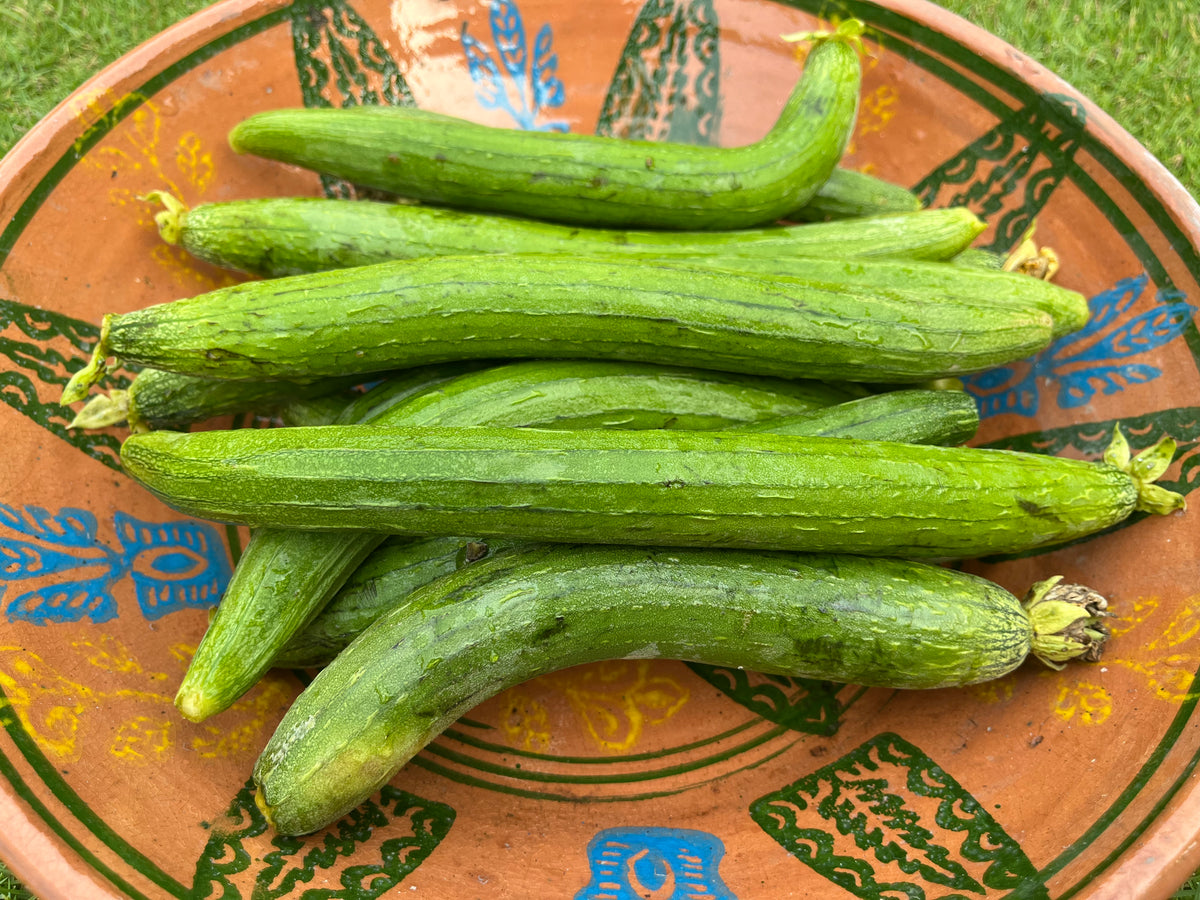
column 1139, row 60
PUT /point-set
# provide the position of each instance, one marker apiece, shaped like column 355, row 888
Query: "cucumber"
column 293, row 235
column 280, row 582
column 851, row 194
column 395, row 569
column 415, row 312
column 581, row 179
column 944, row 418
column 284, row 578
column 399, row 565
column 582, row 394
column 665, row 488
column 159, row 399
column 529, row 611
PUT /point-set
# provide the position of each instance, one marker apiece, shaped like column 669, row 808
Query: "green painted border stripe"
column 472, row 781
column 1137, row 832
column 475, row 742
column 1143, row 776
column 22, row 217
column 80, row 810
column 627, row 778
column 13, row 777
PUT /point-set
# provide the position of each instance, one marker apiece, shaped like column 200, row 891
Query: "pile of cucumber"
column 615, row 409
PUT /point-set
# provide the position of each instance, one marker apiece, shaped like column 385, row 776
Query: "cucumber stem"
column 265, row 808
column 1068, row 622
column 850, row 31
column 1146, row 468
column 103, row 410
column 169, row 220
column 77, row 388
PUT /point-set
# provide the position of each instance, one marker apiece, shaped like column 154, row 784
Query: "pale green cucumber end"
column 1146, row 468
column 193, row 705
column 81, row 382
column 103, row 410
column 1068, row 622
column 170, row 219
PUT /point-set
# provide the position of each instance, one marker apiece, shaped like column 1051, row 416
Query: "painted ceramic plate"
column 634, row 778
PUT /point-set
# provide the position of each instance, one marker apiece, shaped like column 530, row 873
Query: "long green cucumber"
column 581, row 394
column 576, row 178
column 284, row 578
column 850, row 194
column 666, row 488
column 400, row 565
column 420, row 311
column 299, row 235
column 534, row 610
column 273, row 237
column 281, row 581
column 159, row 399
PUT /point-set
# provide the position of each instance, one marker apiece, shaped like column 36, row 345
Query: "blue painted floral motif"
column 1084, row 363
column 532, row 85
column 66, row 574
column 631, row 863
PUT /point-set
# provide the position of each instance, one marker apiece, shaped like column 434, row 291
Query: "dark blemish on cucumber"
column 560, row 624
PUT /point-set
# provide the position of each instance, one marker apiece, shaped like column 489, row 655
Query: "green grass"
column 1137, row 59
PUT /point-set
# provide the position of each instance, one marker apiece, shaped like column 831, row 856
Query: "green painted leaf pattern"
column 403, row 827
column 668, row 81
column 43, row 349
column 885, row 821
column 1020, row 161
column 342, row 62
column 801, row 704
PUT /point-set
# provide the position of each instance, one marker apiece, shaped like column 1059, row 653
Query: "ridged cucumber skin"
column 282, row 580
column 400, row 565
column 274, row 237
column 535, row 610
column 664, row 488
column 582, row 394
column 933, row 281
column 422, row 311
column 850, row 194
column 395, row 569
column 576, row 178
column 943, row 418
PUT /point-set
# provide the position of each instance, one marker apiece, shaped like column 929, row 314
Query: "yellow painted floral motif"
column 1168, row 670
column 274, row 692
column 878, row 108
column 525, row 723
column 134, row 162
column 49, row 705
column 142, row 739
column 53, row 708
column 615, row 701
column 1143, row 608
column 997, row 691
column 1083, row 703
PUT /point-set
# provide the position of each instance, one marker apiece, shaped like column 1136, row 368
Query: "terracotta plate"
column 634, row 778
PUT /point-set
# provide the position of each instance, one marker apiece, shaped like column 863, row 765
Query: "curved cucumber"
column 850, row 194
column 293, row 235
column 284, row 578
column 534, row 610
column 664, row 488
column 400, row 565
column 575, row 178
column 420, row 311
